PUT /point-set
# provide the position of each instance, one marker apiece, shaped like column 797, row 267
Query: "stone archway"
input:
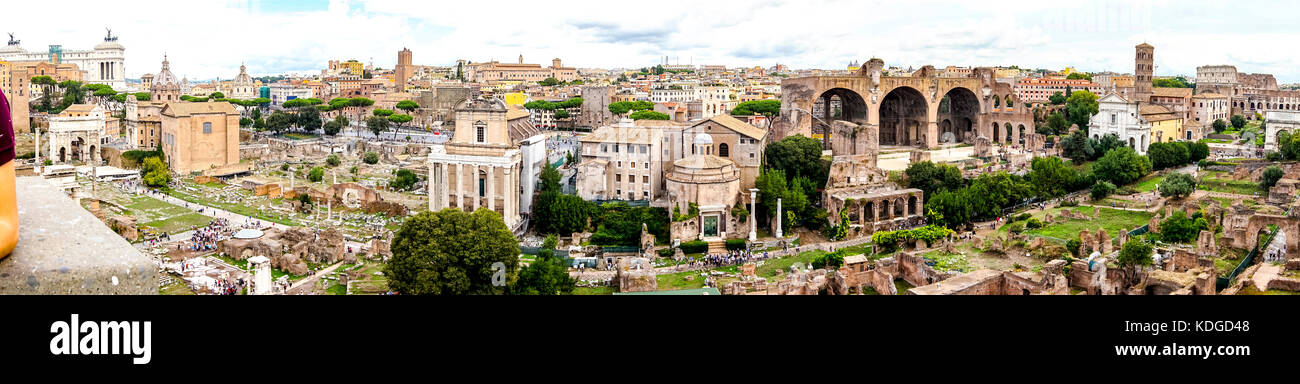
column 959, row 107
column 1011, row 135
column 903, row 118
column 837, row 104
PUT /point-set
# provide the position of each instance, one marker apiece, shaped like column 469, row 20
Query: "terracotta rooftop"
column 1171, row 92
column 184, row 108
column 739, row 126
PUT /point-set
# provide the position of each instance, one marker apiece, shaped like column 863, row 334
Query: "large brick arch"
column 1289, row 225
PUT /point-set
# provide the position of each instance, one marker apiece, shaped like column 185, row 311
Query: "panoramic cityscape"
column 1092, row 151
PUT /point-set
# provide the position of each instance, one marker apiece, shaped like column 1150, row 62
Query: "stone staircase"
column 717, row 247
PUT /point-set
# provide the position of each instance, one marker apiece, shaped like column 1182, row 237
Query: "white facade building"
column 1118, row 116
column 105, row 64
column 281, row 93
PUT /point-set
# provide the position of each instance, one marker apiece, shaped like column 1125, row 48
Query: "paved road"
column 294, row 289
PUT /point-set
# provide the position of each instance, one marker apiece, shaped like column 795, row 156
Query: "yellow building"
column 1165, row 126
column 1067, row 71
column 354, row 67
column 517, row 98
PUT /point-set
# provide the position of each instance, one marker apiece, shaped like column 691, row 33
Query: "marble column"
column 778, row 219
column 460, row 186
column 291, row 180
column 475, row 189
column 753, row 210
column 492, row 188
column 445, row 189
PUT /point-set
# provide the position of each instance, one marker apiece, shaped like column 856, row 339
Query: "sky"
column 211, row 38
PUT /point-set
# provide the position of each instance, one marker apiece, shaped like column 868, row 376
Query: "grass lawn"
column 1218, row 182
column 337, row 289
column 299, row 136
column 590, row 291
column 902, row 286
column 1148, row 184
column 236, row 208
column 1113, row 220
column 180, row 223
column 1250, row 290
column 676, row 281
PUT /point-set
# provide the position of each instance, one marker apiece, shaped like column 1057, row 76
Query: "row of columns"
column 876, row 206
column 440, row 189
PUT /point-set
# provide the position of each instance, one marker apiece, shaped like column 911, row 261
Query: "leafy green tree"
column 399, row 120
column 1177, row 82
column 1102, row 189
column 1177, row 185
column 155, row 172
column 1080, row 107
column 1238, row 122
column 648, row 115
column 555, row 212
column 623, row 107
column 404, row 180
column 359, row 103
column 408, row 106
column 279, row 122
column 772, row 185
column 550, row 177
column 1178, row 228
column 333, row 160
column 1051, row 177
column 371, row 158
column 1079, row 76
column 1077, row 148
column 1135, row 253
column 245, row 122
column 798, row 156
column 1108, row 142
column 1220, row 126
column 1122, row 166
column 451, row 252
column 1197, row 152
column 768, row 107
column 316, row 175
column 1057, row 123
column 377, row 124
column 548, row 275
column 930, row 177
column 143, row 96
column 549, row 82
column 1271, row 175
column 308, row 118
column 951, row 207
column 217, row 95
column 1057, row 98
column 382, row 112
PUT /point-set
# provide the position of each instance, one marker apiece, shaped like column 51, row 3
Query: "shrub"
column 736, row 244
column 1068, row 203
column 696, row 246
column 371, row 158
column 830, row 260
column 1022, row 217
column 316, row 175
column 1033, row 224
column 1016, row 227
column 333, row 160
column 284, row 167
column 1101, row 190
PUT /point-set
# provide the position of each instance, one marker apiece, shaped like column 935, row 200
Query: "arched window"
column 722, row 150
column 1009, row 101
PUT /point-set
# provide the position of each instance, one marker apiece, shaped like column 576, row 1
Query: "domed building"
column 242, row 87
column 165, row 85
column 709, row 183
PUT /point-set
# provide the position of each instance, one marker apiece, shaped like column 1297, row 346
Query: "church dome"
column 703, row 139
column 482, row 104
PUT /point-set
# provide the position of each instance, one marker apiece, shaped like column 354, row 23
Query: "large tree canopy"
column 767, row 107
column 453, row 252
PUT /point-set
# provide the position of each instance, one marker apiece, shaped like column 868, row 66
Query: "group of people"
column 226, row 287
column 206, row 238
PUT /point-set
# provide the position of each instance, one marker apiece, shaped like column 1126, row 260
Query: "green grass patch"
column 235, row 208
column 1113, row 220
column 300, row 136
column 337, row 289
column 902, row 286
column 592, row 291
column 1148, row 184
column 677, row 281
column 180, row 223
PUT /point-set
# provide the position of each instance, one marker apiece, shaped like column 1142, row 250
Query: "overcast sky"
column 210, row 38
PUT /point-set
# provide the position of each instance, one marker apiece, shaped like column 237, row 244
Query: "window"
column 647, row 165
column 646, row 179
column 603, row 149
column 1114, row 118
column 723, row 151
column 616, row 148
column 633, row 164
column 207, row 128
column 618, row 178
column 480, row 129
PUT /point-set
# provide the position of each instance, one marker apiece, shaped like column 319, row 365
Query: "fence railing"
column 1223, row 282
